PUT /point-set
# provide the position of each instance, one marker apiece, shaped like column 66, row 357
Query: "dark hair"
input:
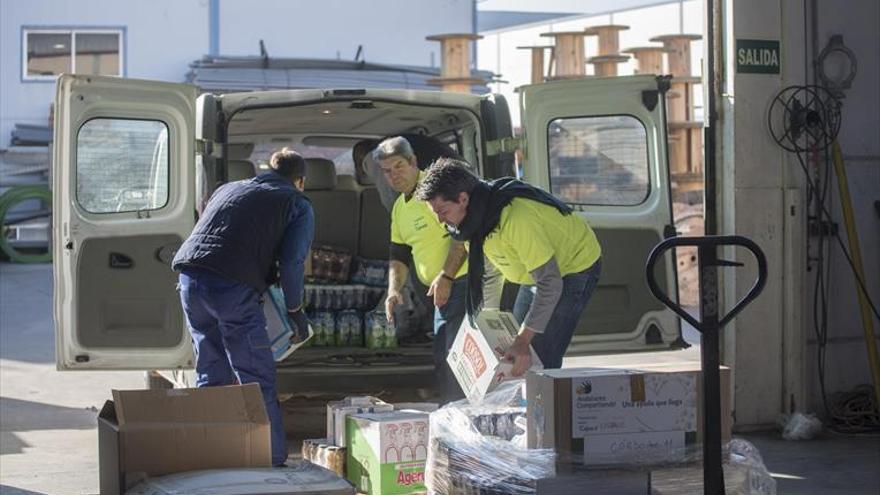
column 360, row 150
column 288, row 163
column 447, row 178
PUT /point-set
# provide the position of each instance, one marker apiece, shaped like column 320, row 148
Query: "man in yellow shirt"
column 533, row 239
column 439, row 261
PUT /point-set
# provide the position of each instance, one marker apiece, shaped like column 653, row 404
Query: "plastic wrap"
column 329, row 264
column 744, row 474
column 370, row 272
column 471, row 451
column 800, row 426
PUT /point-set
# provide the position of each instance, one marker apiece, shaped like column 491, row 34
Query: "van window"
column 599, row 160
column 122, row 165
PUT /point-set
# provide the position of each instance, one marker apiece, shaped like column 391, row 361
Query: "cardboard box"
column 302, row 478
column 475, row 355
column 340, row 435
column 156, row 432
column 356, row 404
column 387, row 452
column 641, row 415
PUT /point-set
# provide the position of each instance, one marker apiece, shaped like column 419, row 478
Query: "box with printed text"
column 639, row 415
column 476, row 355
column 387, row 452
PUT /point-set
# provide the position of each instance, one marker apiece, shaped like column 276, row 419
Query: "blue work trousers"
column 447, row 320
column 231, row 345
column 577, row 288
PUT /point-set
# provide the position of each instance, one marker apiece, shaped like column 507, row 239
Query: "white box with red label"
column 476, row 356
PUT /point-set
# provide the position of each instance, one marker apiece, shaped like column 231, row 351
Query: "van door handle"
column 165, row 254
column 120, row 261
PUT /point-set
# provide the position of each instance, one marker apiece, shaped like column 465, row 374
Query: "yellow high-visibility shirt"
column 414, row 224
column 530, row 233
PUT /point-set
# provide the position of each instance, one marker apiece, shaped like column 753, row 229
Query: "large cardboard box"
column 640, row 415
column 156, row 432
column 301, row 478
column 476, row 354
column 387, row 452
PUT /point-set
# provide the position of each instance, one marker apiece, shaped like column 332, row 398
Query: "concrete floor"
column 48, row 438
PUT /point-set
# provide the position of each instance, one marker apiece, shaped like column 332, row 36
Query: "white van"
column 134, row 160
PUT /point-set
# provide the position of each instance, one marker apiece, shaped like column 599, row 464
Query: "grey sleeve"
column 548, row 282
column 493, row 284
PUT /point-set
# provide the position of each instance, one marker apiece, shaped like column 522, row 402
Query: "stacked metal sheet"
column 235, row 74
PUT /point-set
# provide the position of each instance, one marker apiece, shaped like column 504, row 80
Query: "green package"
column 387, row 452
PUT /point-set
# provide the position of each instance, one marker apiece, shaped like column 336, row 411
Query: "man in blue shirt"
column 249, row 232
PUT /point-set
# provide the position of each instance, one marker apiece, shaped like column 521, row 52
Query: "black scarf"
column 486, row 202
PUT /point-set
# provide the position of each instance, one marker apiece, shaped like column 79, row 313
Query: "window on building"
column 49, row 53
column 599, row 160
column 122, row 165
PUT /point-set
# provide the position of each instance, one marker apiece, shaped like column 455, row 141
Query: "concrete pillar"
column 752, row 174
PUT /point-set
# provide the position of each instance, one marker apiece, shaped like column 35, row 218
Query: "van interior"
column 348, row 211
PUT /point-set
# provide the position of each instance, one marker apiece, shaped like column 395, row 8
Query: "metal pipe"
column 711, row 117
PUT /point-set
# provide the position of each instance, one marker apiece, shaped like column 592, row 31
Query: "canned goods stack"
column 337, row 311
column 339, row 297
column 500, row 424
column 318, row 451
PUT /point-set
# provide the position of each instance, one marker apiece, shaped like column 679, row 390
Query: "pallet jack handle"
column 709, row 325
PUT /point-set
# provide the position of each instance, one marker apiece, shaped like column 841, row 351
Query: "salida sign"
column 758, row 57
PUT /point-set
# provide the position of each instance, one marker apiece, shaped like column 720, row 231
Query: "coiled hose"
column 10, row 198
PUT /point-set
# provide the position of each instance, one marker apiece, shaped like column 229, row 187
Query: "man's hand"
column 299, row 323
column 394, row 298
column 440, row 288
column 520, row 354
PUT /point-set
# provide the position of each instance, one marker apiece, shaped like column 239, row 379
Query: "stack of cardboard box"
column 379, row 447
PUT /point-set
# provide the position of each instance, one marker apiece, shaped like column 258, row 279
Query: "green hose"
column 10, row 198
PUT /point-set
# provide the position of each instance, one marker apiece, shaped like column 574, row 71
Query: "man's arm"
column 548, row 284
column 397, row 273
column 295, row 247
column 441, row 286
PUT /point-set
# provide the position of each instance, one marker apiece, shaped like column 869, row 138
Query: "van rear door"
column 123, row 203
column 600, row 145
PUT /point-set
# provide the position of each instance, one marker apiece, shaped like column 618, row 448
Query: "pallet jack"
column 709, row 325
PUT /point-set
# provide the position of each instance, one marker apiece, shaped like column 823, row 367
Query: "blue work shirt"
column 295, row 247
column 246, row 227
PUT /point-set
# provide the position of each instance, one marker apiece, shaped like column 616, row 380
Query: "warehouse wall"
column 160, row 38
column 847, row 362
column 772, row 344
column 390, row 31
